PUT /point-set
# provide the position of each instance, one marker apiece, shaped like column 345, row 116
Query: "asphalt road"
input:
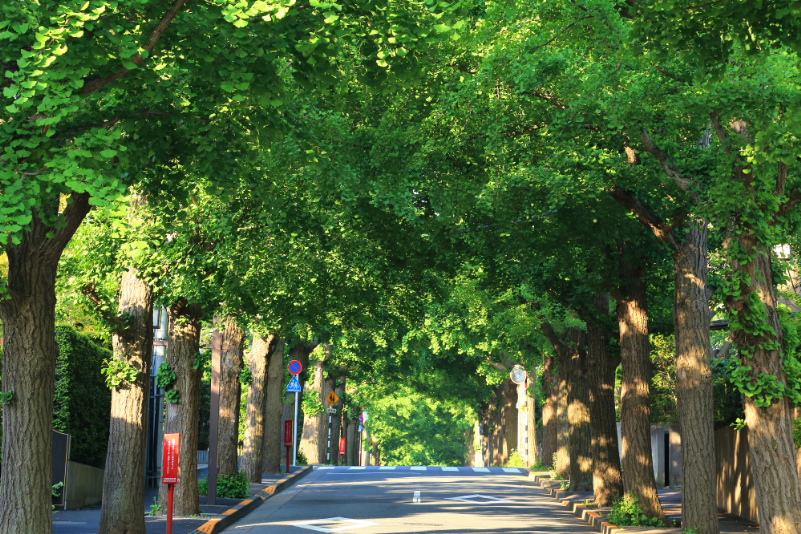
column 376, row 500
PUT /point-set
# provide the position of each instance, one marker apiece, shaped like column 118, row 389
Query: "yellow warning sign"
column 332, row 398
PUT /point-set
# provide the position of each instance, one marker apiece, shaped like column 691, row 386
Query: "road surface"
column 375, row 500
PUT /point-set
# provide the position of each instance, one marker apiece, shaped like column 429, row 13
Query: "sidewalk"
column 670, row 499
column 87, row 520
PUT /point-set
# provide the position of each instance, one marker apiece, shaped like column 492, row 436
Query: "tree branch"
column 91, row 293
column 91, row 86
column 650, row 219
column 791, row 203
column 661, row 156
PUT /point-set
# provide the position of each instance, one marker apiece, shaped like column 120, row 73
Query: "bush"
column 228, row 487
column 626, row 512
column 515, row 460
column 82, row 404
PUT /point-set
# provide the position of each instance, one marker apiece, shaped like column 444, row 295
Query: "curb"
column 242, row 509
column 596, row 519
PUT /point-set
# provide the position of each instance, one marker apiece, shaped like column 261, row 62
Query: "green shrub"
column 302, row 459
column 515, row 460
column 82, row 403
column 797, row 433
column 626, row 512
column 228, row 487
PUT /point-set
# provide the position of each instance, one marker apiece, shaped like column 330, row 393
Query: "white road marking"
column 324, row 467
column 511, row 470
column 472, row 499
column 359, row 467
column 356, row 523
column 416, row 497
column 449, row 468
column 418, row 468
column 386, row 467
column 481, row 470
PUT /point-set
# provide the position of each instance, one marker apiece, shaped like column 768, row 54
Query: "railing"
column 202, row 457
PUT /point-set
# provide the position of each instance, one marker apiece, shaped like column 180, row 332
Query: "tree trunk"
column 29, row 362
column 273, row 438
column 635, row 411
column 607, row 481
column 578, row 414
column 562, row 466
column 315, row 426
column 230, row 392
column 124, row 479
column 366, row 448
column 376, row 455
column 259, row 355
column 336, row 421
column 531, row 419
column 770, row 437
column 550, row 389
column 694, row 383
column 183, row 417
column 351, row 443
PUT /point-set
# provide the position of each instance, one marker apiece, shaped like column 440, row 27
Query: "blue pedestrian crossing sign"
column 293, row 386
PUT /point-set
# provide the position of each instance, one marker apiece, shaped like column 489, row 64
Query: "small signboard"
column 293, row 386
column 341, row 445
column 294, row 367
column 169, row 469
column 361, row 419
column 332, row 398
column 288, row 433
column 331, row 410
column 361, row 428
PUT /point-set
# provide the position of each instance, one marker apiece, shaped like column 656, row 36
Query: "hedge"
column 82, row 404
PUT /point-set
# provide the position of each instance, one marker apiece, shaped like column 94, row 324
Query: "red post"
column 169, row 470
column 170, row 489
column 288, row 428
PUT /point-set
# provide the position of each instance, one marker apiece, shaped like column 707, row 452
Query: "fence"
column 735, row 483
column 203, row 457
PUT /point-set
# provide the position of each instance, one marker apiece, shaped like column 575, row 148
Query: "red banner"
column 341, row 445
column 169, row 462
column 287, row 433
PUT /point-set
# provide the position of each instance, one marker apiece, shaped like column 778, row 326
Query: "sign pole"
column 295, row 434
column 170, row 470
column 170, row 489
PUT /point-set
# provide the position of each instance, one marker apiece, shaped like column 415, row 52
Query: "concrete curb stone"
column 248, row 505
column 594, row 517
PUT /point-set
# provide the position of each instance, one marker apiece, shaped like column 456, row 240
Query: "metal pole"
column 328, row 450
column 170, row 489
column 295, row 434
column 216, row 349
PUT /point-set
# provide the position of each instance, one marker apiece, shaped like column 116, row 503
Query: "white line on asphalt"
column 354, row 523
column 416, row 497
column 450, row 468
column 325, row 467
column 359, row 467
column 511, row 470
column 383, row 467
column 481, row 470
column 418, row 468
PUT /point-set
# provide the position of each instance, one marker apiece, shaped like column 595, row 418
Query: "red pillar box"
column 341, row 449
column 169, row 470
column 288, row 441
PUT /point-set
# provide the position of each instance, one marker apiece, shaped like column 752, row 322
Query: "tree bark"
column 351, row 443
column 273, row 438
column 562, row 466
column 635, row 411
column 694, row 383
column 29, row 361
column 315, row 427
column 124, row 478
column 230, row 392
column 578, row 413
column 607, row 481
column 336, row 422
column 770, row 437
column 183, row 417
column 550, row 388
column 531, row 419
column 257, row 359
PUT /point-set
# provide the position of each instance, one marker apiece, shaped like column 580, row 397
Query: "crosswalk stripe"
column 450, row 468
column 418, row 468
column 386, row 467
column 481, row 470
column 358, row 467
column 511, row 470
column 416, row 497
